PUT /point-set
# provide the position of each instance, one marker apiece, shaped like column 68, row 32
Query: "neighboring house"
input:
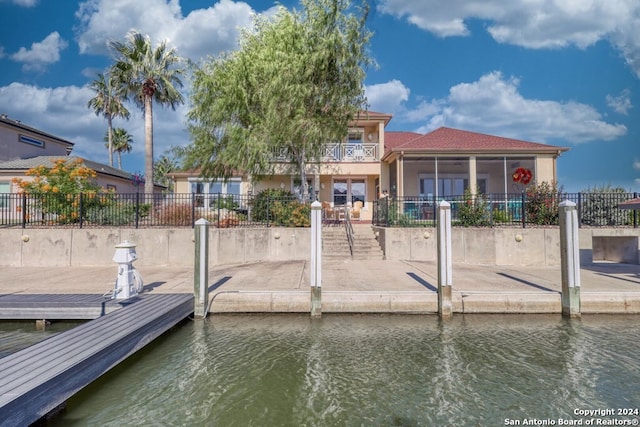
column 371, row 163
column 23, row 147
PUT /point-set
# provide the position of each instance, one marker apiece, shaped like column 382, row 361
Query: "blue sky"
column 555, row 71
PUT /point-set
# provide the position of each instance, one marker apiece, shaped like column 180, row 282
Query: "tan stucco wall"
column 546, row 169
column 11, row 148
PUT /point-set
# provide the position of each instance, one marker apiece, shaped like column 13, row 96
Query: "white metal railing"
column 338, row 152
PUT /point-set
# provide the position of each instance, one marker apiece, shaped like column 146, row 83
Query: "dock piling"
column 316, row 259
column 201, row 269
column 570, row 259
column 445, row 268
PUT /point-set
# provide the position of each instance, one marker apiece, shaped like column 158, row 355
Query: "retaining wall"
column 511, row 246
column 167, row 247
column 174, row 247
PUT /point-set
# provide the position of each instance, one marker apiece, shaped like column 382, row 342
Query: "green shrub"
column 473, row 210
column 500, row 216
column 599, row 207
column 280, row 207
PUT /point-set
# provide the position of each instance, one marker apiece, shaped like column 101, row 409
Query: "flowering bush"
column 58, row 189
column 542, row 203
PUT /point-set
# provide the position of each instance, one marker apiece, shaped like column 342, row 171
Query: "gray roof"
column 48, row 161
column 18, row 124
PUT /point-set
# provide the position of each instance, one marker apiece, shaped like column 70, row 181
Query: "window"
column 5, row 190
column 349, row 190
column 208, row 191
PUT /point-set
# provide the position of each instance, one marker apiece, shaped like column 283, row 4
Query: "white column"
column 570, row 259
column 445, row 265
column 316, row 258
column 201, row 269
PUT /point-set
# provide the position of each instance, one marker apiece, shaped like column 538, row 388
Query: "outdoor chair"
column 355, row 211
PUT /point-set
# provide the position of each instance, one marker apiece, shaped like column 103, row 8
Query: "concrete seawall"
column 65, row 247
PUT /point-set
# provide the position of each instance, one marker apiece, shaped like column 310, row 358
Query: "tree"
column 168, row 161
column 107, row 102
column 120, row 143
column 146, row 75
column 295, row 84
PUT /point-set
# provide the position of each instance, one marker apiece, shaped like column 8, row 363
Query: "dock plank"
column 38, row 379
column 55, row 306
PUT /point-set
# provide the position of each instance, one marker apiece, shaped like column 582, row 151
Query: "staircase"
column 336, row 247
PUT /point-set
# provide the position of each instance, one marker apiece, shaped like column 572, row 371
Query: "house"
column 372, row 162
column 23, row 147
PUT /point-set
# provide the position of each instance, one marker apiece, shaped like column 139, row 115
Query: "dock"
column 40, row 378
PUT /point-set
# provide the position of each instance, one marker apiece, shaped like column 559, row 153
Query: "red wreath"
column 522, row 176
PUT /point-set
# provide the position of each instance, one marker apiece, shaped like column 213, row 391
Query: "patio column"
column 473, row 175
column 400, row 176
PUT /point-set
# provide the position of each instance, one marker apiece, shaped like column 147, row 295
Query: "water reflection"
column 370, row 370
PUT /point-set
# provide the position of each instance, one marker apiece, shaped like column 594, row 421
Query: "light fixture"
column 282, row 185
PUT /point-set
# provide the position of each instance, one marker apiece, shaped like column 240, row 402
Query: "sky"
column 561, row 72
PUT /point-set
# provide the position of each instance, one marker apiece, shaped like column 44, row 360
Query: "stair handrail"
column 348, row 229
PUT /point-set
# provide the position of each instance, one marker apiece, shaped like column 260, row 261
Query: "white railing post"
column 201, row 269
column 570, row 259
column 445, row 269
column 316, row 258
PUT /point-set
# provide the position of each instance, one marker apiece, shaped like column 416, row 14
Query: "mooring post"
column 316, row 259
column 201, row 269
column 445, row 269
column 570, row 259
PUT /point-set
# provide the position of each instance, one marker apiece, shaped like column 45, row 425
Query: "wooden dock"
column 56, row 306
column 40, row 378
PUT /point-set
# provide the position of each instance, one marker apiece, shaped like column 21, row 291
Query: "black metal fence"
column 594, row 209
column 140, row 210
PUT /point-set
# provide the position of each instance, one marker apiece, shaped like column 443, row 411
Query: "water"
column 14, row 336
column 349, row 370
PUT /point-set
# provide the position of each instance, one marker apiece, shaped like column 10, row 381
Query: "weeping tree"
column 295, row 83
column 146, row 75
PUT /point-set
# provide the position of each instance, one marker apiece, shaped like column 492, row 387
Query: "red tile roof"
column 393, row 139
column 451, row 140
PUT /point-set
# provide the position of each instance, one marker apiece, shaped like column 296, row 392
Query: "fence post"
column 635, row 213
column 523, row 210
column 268, row 199
column 137, row 208
column 193, row 209
column 24, row 210
column 445, row 269
column 570, row 259
column 80, row 210
column 316, row 259
column 201, row 269
column 580, row 209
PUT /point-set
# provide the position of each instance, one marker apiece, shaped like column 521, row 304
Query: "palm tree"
column 107, row 102
column 146, row 75
column 162, row 167
column 120, row 143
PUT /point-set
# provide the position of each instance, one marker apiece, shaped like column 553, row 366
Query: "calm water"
column 370, row 371
column 14, row 336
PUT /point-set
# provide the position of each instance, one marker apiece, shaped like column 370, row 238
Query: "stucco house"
column 23, row 147
column 372, row 162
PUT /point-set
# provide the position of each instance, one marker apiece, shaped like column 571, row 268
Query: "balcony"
column 341, row 152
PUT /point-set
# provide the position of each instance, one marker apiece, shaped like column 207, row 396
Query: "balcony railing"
column 340, row 152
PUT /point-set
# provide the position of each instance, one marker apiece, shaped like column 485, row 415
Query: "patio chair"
column 355, row 211
column 327, row 211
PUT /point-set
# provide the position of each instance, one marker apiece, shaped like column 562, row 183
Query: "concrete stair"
column 336, row 247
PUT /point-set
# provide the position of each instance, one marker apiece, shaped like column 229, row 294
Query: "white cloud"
column 531, row 24
column 387, row 97
column 23, row 3
column 620, row 104
column 41, row 53
column 202, row 32
column 493, row 105
column 62, row 111
column 636, row 164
